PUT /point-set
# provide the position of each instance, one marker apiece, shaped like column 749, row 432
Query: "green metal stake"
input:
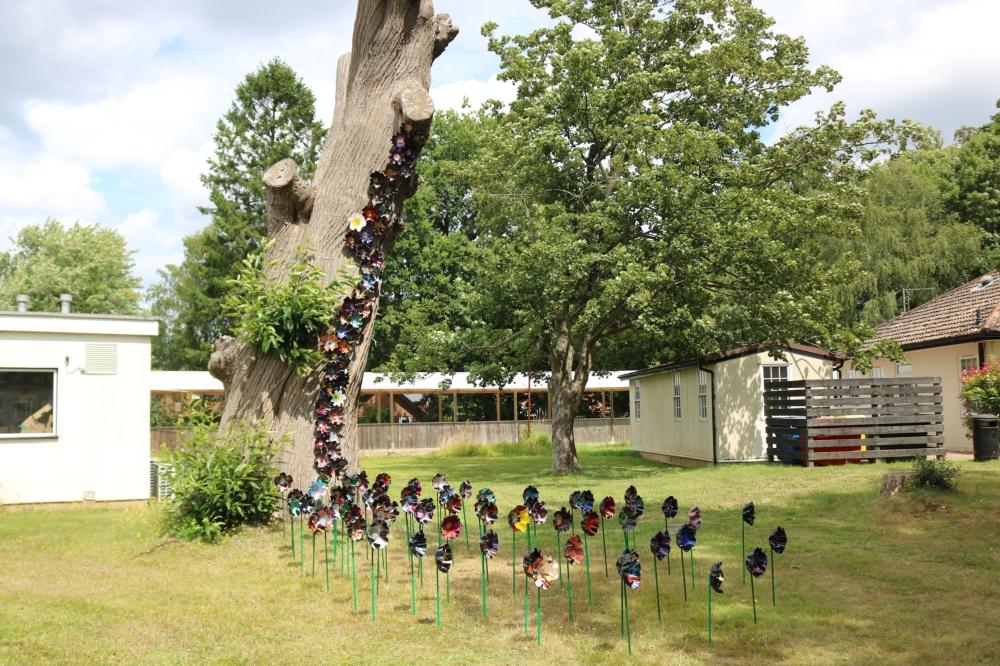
column 569, row 590
column 354, row 576
column 604, row 541
column 413, row 589
column 656, row 578
column 709, row 611
column 291, row 524
column 482, row 580
column 525, row 604
column 684, row 576
column 743, row 546
column 538, row 639
column 621, row 608
column 326, row 560
column 465, row 524
column 753, row 595
column 628, row 627
column 666, row 530
column 334, row 540
column 385, row 552
column 586, row 557
column 302, row 550
column 774, row 599
column 513, row 556
column 314, row 556
column 437, row 594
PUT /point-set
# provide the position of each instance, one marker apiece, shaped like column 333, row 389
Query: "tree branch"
column 289, row 197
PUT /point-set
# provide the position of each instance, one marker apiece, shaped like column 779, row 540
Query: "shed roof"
column 969, row 312
column 735, row 352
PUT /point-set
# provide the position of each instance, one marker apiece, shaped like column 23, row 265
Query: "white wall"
column 101, row 443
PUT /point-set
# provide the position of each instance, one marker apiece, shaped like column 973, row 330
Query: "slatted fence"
column 833, row 421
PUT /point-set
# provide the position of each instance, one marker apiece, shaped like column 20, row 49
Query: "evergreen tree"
column 974, row 189
column 272, row 118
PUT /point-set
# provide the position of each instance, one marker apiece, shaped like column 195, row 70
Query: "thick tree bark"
column 570, row 372
column 381, row 87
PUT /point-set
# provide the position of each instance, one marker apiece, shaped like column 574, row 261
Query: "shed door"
column 769, row 373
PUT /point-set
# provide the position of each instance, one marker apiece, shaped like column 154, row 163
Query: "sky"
column 107, row 107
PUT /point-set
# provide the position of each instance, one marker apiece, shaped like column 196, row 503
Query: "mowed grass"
column 864, row 581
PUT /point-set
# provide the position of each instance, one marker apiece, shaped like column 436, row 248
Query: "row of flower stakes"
column 359, row 510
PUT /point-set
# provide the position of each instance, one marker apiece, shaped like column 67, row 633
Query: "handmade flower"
column 562, row 520
column 757, row 562
column 608, row 507
column 295, row 502
column 546, row 573
column 586, row 501
column 408, row 500
column 590, row 523
column 465, row 489
column 529, row 494
column 531, row 562
column 383, row 480
column 635, row 506
column 283, row 481
column 439, row 481
column 418, row 544
column 659, row 545
column 414, row 483
column 518, row 518
column 630, row 492
column 715, row 577
column 378, row 534
column 694, row 517
column 356, row 529
column 686, row 538
column 629, row 568
column 487, row 513
column 442, row 557
column 489, row 544
column 538, row 512
column 485, row 496
column 317, row 489
column 573, row 550
column 308, row 504
column 749, row 513
column 321, row 521
column 451, row 527
column 574, row 499
column 454, row 503
column 778, row 540
column 424, row 512
column 387, row 511
column 669, row 507
column 356, row 222
column 627, row 518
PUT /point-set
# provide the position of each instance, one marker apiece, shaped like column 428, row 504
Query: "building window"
column 636, row 399
column 967, row 364
column 702, row 395
column 904, row 369
column 677, row 396
column 774, row 373
column 853, row 374
column 27, row 403
column 878, row 373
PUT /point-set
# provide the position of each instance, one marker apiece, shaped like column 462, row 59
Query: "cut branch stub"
column 289, row 197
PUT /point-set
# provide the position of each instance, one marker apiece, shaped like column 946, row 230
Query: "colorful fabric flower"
column 283, row 481
column 757, row 562
column 627, row 518
column 424, row 513
column 630, row 493
column 489, row 544
column 465, row 489
column 321, row 521
column 694, row 517
column 586, row 501
column 414, row 483
column 451, row 527
column 445, row 493
column 749, row 513
column 439, row 481
column 669, row 507
column 629, row 568
column 518, row 518
column 574, row 499
column 418, row 543
column 573, row 550
column 487, row 513
column 562, row 520
column 542, row 570
column 356, row 222
column 636, row 506
column 590, row 523
column 383, row 480
column 686, row 538
column 715, row 577
column 659, row 545
column 485, row 496
column 778, row 540
column 454, row 503
column 378, row 534
column 317, row 489
column 295, row 502
column 538, row 512
column 442, row 557
column 529, row 494
column 608, row 507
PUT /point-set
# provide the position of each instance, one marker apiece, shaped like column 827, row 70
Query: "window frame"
column 702, row 395
column 636, row 388
column 878, row 372
column 12, row 436
column 678, row 407
column 908, row 373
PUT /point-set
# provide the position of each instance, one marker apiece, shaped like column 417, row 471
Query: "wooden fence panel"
column 831, row 421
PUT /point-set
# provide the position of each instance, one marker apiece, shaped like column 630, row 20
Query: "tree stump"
column 894, row 483
column 382, row 94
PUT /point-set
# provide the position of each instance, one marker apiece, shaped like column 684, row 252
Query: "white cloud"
column 181, row 174
column 452, row 95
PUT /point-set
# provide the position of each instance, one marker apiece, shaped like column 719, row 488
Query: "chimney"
column 22, row 302
column 64, row 302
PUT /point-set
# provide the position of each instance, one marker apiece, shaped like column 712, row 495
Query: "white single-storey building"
column 74, row 407
column 710, row 409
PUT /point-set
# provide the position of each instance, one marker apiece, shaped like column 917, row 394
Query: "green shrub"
column 221, row 481
column 981, row 390
column 284, row 318
column 934, row 474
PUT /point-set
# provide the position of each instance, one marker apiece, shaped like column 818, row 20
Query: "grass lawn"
column 864, row 581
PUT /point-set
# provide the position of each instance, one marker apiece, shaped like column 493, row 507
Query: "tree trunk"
column 382, row 105
column 566, row 385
